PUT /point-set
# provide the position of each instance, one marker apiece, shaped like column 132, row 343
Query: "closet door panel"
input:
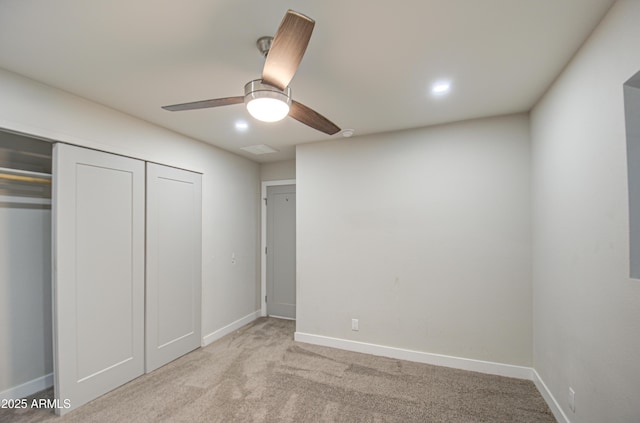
column 98, row 250
column 174, row 282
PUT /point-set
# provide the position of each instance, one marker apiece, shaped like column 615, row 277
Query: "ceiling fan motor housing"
column 258, row 89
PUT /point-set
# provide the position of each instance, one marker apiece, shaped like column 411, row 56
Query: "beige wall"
column 586, row 308
column 422, row 235
column 275, row 171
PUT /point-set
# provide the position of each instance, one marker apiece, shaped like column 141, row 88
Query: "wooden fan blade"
column 287, row 49
column 204, row 104
column 311, row 118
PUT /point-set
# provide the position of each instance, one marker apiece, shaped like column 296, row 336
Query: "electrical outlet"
column 354, row 325
column 572, row 399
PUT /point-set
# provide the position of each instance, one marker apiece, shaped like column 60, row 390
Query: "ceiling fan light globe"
column 268, row 109
column 266, row 102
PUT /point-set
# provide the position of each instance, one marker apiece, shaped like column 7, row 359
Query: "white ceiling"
column 369, row 65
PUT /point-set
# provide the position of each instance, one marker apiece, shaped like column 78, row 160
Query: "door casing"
column 263, row 261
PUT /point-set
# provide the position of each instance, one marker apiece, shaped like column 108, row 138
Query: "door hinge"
column 265, row 201
column 265, row 250
column 265, row 298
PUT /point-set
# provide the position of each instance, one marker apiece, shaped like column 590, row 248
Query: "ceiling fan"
column 269, row 99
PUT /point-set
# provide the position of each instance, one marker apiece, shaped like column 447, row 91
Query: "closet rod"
column 24, row 175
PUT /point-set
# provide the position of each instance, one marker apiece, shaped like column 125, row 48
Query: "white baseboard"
column 282, row 317
column 488, row 367
column 214, row 336
column 550, row 399
column 28, row 388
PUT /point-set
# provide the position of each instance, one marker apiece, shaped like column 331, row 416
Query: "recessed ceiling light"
column 241, row 125
column 441, row 87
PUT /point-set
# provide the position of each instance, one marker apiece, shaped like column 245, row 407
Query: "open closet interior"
column 26, row 358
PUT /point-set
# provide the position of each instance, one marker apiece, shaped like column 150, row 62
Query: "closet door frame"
column 65, row 402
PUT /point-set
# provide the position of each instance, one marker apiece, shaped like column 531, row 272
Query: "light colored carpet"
column 259, row 374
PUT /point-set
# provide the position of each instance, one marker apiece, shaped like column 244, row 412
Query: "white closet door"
column 174, row 281
column 98, row 258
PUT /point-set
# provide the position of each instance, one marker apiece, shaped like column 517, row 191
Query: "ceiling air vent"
column 259, row 149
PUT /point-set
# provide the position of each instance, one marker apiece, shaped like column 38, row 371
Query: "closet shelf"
column 14, row 199
column 24, row 175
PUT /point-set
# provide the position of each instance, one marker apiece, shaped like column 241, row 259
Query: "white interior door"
column 174, row 257
column 98, row 267
column 281, row 251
